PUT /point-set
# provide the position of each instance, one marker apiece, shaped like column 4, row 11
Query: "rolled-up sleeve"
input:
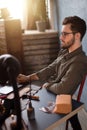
column 47, row 72
column 70, row 81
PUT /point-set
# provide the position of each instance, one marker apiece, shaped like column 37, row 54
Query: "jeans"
column 75, row 123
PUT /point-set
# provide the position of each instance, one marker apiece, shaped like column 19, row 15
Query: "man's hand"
column 45, row 85
column 22, row 78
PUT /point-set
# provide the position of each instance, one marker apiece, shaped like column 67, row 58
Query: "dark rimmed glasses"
column 64, row 34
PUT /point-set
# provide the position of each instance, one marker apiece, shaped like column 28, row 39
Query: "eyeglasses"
column 64, row 34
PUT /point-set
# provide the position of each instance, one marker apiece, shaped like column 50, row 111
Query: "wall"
column 42, row 47
column 69, row 8
column 66, row 8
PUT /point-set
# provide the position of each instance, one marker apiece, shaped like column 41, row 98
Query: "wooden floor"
column 82, row 118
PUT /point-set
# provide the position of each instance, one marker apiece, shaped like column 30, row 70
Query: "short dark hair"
column 77, row 24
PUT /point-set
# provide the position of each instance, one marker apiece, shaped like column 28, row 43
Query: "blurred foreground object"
column 9, row 70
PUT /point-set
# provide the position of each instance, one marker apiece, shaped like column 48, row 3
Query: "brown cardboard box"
column 63, row 104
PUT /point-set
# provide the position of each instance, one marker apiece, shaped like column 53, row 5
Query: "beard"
column 66, row 45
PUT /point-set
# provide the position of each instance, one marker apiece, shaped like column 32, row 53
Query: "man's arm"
column 43, row 74
column 23, row 78
column 70, row 81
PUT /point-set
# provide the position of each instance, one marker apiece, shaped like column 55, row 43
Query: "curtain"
column 36, row 10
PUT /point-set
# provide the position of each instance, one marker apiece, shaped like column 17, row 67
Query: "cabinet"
column 40, row 49
column 11, row 38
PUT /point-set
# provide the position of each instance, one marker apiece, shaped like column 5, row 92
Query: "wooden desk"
column 45, row 121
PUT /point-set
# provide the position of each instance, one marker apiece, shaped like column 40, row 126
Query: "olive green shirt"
column 66, row 72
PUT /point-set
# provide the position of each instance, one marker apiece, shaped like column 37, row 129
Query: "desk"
column 45, row 121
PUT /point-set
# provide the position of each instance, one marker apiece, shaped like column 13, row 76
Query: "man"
column 64, row 75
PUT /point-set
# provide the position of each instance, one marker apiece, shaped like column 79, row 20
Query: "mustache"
column 62, row 41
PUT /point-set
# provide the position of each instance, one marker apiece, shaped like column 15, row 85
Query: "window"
column 15, row 7
column 28, row 11
column 36, row 10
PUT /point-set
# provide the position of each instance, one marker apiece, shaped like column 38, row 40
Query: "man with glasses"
column 64, row 75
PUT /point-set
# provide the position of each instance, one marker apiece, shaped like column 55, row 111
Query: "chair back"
column 81, row 89
column 78, row 96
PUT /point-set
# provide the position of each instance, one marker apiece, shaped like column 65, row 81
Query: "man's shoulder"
column 81, row 58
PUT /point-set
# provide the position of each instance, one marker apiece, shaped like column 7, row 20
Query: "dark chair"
column 78, row 96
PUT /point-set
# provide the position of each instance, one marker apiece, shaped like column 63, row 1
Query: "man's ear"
column 78, row 36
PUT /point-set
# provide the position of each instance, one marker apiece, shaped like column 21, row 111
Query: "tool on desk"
column 2, row 109
column 13, row 122
column 3, row 96
column 7, row 89
column 30, row 108
column 33, row 97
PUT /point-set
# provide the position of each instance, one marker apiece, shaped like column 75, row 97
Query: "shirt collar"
column 75, row 52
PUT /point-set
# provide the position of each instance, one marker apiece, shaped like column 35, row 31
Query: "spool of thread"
column 30, row 111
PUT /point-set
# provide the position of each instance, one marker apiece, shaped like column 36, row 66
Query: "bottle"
column 30, row 111
column 13, row 122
